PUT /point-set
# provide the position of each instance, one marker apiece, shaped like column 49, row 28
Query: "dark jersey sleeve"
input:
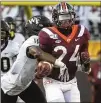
column 84, row 54
column 86, row 41
column 45, row 41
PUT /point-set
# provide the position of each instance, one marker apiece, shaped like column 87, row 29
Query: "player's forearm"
column 85, row 58
column 36, row 52
column 49, row 58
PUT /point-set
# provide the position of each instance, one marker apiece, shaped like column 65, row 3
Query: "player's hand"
column 86, row 69
column 85, row 57
column 64, row 75
column 85, row 62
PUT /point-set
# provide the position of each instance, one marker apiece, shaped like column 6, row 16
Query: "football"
column 43, row 69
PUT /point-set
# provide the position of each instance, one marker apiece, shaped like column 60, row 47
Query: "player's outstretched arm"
column 85, row 58
column 36, row 52
column 84, row 54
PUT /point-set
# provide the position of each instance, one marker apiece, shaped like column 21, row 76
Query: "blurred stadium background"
column 89, row 14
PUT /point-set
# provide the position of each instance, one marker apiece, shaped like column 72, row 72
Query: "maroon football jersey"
column 65, row 48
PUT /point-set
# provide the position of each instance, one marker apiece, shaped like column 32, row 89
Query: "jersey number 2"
column 64, row 50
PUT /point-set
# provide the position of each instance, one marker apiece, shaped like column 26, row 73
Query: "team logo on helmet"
column 34, row 20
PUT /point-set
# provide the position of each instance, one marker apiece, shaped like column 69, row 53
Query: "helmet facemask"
column 65, row 20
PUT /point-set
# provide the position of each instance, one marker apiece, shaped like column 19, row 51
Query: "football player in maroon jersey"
column 69, row 43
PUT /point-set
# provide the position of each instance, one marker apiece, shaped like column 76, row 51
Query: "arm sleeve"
column 84, row 54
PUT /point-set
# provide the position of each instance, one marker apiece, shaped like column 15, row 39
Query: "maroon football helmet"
column 63, row 15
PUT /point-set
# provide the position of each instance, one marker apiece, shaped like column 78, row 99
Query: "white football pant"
column 57, row 91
